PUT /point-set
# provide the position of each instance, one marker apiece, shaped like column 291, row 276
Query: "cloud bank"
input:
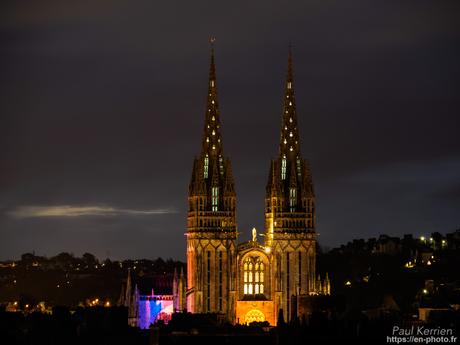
column 81, row 211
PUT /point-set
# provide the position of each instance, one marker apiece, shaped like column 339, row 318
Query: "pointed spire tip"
column 289, row 72
column 212, row 40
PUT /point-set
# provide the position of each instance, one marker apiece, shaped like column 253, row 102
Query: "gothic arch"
column 254, row 315
column 254, row 275
column 255, row 252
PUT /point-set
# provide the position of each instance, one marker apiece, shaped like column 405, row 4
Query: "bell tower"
column 290, row 211
column 211, row 222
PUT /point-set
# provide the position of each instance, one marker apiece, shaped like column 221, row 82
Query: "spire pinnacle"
column 212, row 70
column 212, row 141
column 289, row 71
column 289, row 139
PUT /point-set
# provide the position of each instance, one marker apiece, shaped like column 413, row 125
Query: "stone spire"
column 289, row 138
column 211, row 217
column 289, row 198
column 212, row 176
column 212, row 140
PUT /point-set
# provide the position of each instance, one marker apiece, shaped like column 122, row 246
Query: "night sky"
column 102, row 106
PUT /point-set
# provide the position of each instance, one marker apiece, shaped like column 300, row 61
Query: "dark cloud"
column 448, row 194
column 102, row 103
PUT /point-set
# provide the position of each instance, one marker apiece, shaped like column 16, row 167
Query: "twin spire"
column 289, row 140
column 212, row 174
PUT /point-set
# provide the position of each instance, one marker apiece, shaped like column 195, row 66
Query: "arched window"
column 292, row 199
column 206, row 166
column 246, row 273
column 283, row 168
column 215, row 198
column 253, row 276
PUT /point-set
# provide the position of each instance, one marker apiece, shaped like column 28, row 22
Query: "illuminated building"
column 251, row 281
column 211, row 222
column 146, row 309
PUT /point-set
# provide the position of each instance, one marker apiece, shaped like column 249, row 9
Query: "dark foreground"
column 109, row 326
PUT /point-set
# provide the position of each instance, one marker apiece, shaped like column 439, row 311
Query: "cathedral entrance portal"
column 254, row 315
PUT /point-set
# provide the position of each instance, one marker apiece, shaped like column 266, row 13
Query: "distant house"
column 379, row 306
column 387, row 245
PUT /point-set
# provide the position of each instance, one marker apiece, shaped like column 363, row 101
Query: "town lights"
column 94, row 302
column 409, row 264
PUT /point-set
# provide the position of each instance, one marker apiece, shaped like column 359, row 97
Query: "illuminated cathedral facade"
column 251, row 281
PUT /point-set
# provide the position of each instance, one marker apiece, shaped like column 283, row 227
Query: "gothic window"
column 215, row 198
column 245, row 274
column 231, row 271
column 289, row 85
column 283, row 168
column 206, row 166
column 292, row 199
column 287, row 281
column 208, row 281
column 298, row 167
column 300, row 272
column 253, row 276
column 220, row 280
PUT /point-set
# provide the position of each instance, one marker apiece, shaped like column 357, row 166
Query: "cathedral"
column 253, row 280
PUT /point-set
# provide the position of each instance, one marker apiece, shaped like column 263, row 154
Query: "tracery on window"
column 253, row 276
column 206, row 164
column 283, row 168
column 214, row 198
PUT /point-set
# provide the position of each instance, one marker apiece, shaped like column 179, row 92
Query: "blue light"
column 152, row 309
